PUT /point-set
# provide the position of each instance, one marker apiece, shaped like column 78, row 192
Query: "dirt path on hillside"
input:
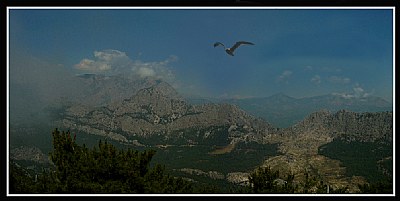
column 227, row 149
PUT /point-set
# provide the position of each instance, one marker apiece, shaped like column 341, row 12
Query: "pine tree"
column 106, row 169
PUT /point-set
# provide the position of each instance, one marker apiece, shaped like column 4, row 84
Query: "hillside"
column 301, row 145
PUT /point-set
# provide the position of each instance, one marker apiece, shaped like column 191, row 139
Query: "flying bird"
column 233, row 48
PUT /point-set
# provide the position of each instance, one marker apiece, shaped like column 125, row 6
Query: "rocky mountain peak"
column 159, row 88
column 312, row 121
column 159, row 99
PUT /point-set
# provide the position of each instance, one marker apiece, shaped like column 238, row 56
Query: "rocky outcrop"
column 28, row 153
column 240, row 178
column 212, row 174
column 348, row 125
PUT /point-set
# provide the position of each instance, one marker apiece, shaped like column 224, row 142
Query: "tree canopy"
column 103, row 169
column 106, row 169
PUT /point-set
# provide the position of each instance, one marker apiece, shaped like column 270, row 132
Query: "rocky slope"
column 158, row 109
column 348, row 125
column 100, row 90
column 299, row 144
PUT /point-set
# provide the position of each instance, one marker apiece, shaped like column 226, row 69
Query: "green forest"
column 361, row 158
column 106, row 169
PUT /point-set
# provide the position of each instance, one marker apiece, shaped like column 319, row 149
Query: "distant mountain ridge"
column 279, row 109
column 284, row 111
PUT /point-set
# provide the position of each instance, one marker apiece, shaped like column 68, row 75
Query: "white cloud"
column 109, row 55
column 285, row 76
column 104, row 61
column 339, row 80
column 344, row 95
column 158, row 69
column 358, row 92
column 92, row 66
column 286, row 73
column 117, row 62
column 145, row 72
column 316, row 79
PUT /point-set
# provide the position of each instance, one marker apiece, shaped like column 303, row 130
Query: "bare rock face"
column 241, row 178
column 348, row 125
column 364, row 127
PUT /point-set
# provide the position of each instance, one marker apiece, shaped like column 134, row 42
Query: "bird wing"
column 237, row 44
column 218, row 43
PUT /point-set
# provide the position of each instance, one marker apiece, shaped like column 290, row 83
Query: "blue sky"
column 299, row 52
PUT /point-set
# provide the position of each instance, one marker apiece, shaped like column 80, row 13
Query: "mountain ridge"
column 153, row 114
column 157, row 115
column 156, row 107
column 159, row 109
column 284, row 111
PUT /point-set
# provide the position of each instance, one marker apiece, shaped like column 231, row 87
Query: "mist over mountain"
column 35, row 85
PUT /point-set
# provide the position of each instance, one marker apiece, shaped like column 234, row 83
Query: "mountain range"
column 159, row 110
column 151, row 113
column 284, row 111
column 142, row 107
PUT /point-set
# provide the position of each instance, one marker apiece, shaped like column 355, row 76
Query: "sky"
column 298, row 52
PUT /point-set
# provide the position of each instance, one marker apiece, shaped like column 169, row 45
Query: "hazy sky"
column 300, row 52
